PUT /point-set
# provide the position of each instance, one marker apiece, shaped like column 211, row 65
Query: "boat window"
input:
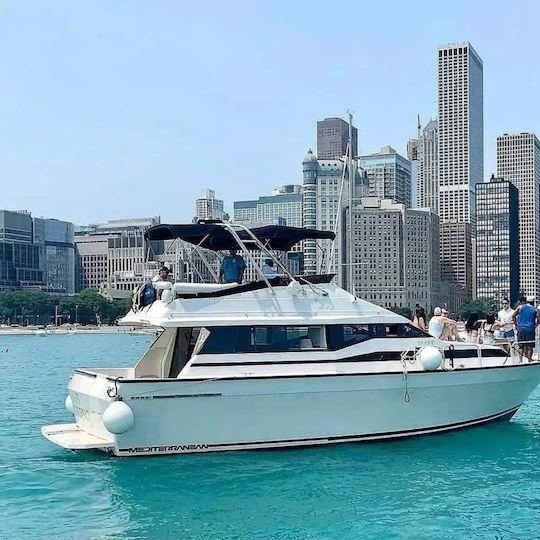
column 235, row 339
column 261, row 339
column 340, row 336
column 287, row 338
column 181, row 351
column 198, row 335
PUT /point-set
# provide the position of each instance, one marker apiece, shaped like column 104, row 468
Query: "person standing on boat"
column 526, row 320
column 506, row 320
column 232, row 268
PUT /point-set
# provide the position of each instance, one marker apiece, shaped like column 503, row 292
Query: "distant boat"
column 41, row 333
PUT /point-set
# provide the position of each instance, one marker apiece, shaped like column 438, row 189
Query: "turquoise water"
column 476, row 483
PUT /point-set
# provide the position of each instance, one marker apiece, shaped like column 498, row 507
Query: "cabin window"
column 230, row 339
column 261, row 339
column 341, row 336
column 287, row 338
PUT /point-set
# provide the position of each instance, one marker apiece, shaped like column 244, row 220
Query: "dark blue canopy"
column 213, row 236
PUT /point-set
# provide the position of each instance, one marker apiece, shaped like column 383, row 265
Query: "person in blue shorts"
column 526, row 320
column 232, row 268
column 505, row 317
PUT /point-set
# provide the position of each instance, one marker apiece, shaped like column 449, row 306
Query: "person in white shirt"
column 505, row 318
column 440, row 326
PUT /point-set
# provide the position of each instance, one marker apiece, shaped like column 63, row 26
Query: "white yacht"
column 281, row 362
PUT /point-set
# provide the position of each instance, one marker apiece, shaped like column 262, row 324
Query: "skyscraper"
column 428, row 177
column 388, row 176
column 208, row 207
column 19, row 255
column 332, row 137
column 497, row 239
column 414, row 155
column 461, row 155
column 326, row 199
column 323, row 209
column 518, row 161
column 56, row 254
column 396, row 254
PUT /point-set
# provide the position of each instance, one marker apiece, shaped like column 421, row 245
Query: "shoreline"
column 25, row 331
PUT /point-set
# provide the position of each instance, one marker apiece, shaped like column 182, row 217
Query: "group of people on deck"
column 510, row 324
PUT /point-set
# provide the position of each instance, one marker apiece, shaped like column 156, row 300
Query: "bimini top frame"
column 219, row 236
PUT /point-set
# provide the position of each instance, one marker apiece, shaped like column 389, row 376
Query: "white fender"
column 118, row 417
column 430, row 358
column 69, row 404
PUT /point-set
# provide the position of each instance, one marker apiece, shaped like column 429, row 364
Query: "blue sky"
column 126, row 109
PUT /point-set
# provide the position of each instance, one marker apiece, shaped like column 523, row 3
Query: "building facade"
column 414, row 155
column 286, row 203
column 332, row 138
column 396, row 251
column 208, row 207
column 115, row 258
column 428, row 180
column 388, row 176
column 456, row 238
column 460, row 152
column 325, row 201
column 518, row 161
column 497, row 240
column 91, row 263
column 19, row 256
column 56, row 253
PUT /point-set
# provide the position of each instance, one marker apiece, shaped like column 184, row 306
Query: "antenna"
column 419, row 127
column 351, row 197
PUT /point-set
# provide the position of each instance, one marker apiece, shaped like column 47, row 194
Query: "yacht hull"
column 186, row 416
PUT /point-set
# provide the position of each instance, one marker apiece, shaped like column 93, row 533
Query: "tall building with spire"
column 422, row 152
column 460, row 157
column 414, row 155
column 428, row 185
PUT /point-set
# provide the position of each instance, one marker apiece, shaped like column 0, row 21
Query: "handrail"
column 262, row 248
column 243, row 247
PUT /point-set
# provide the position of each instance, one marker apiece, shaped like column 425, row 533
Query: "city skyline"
column 109, row 117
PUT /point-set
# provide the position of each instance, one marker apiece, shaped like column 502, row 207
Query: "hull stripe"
column 120, row 380
column 387, row 435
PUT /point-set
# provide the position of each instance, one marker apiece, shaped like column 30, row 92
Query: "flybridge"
column 215, row 235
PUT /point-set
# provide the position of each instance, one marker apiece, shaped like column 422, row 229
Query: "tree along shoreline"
column 25, row 307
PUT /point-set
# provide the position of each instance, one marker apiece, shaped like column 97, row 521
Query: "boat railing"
column 448, row 350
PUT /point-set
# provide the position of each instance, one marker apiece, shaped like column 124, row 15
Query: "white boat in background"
column 290, row 361
column 41, row 333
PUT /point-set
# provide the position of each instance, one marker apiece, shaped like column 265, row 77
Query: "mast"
column 351, row 197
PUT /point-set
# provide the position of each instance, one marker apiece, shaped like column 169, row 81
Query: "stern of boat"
column 90, row 393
